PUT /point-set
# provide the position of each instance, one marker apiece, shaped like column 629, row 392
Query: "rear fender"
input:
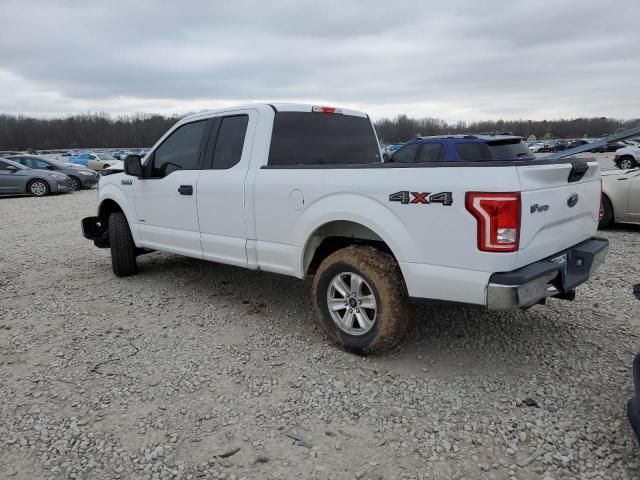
column 356, row 209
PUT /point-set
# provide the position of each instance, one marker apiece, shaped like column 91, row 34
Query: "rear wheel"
column 123, row 250
column 607, row 213
column 39, row 188
column 626, row 163
column 360, row 300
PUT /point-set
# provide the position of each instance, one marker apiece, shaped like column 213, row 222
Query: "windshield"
column 56, row 163
column 105, row 156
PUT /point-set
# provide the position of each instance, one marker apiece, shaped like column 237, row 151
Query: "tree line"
column 402, row 128
column 19, row 132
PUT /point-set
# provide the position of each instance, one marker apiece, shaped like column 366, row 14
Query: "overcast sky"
column 456, row 60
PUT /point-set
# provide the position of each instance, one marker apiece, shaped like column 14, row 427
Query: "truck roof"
column 273, row 107
column 483, row 137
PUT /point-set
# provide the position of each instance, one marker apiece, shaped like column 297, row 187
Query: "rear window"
column 506, row 149
column 509, row 149
column 301, row 138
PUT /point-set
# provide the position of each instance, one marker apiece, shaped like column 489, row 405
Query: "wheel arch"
column 329, row 219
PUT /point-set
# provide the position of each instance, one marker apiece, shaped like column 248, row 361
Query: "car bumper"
column 89, row 181
column 92, row 230
column 557, row 275
column 61, row 186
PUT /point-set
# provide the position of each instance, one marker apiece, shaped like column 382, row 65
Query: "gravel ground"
column 198, row 370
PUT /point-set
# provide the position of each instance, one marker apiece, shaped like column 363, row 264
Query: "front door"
column 165, row 199
column 11, row 179
column 221, row 196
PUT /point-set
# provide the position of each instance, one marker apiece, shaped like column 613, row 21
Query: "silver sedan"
column 620, row 197
column 16, row 178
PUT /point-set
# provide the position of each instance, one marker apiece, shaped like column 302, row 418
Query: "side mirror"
column 12, row 168
column 133, row 166
column 51, row 167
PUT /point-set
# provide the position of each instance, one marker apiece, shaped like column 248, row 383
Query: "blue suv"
column 463, row 148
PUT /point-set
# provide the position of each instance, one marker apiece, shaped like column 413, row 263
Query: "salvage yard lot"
column 168, row 373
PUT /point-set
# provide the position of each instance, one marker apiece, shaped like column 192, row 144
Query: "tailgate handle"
column 578, row 169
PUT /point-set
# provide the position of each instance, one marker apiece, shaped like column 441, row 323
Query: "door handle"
column 185, row 189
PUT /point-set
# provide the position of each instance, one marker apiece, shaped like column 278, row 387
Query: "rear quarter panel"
column 431, row 233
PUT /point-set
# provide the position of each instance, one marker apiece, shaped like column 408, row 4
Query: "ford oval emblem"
column 572, row 201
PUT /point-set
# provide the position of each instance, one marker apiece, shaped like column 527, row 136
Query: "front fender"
column 125, row 200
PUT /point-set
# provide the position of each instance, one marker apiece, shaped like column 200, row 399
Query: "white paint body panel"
column 622, row 187
column 264, row 218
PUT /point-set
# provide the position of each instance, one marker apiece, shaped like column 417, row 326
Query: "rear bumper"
column 557, row 275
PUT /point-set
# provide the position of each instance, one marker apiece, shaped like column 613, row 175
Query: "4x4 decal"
column 406, row 197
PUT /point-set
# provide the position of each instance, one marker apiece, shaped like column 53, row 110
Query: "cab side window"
column 432, row 152
column 406, row 154
column 180, row 151
column 229, row 141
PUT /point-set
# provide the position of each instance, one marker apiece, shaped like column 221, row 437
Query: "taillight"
column 498, row 216
column 325, row 110
column 601, row 214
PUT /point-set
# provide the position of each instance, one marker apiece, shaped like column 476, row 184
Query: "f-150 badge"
column 406, row 197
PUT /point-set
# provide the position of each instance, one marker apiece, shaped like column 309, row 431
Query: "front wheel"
column 123, row 249
column 76, row 184
column 39, row 188
column 606, row 219
column 627, row 163
column 360, row 300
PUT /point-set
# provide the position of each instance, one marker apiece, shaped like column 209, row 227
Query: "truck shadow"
column 446, row 339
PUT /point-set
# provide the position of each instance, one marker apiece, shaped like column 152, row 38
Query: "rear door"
column 221, row 188
column 560, row 206
column 165, row 202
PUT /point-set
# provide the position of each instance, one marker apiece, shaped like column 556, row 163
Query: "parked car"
column 94, row 161
column 81, row 177
column 301, row 190
column 627, row 157
column 609, row 147
column 458, row 148
column 620, row 197
column 540, row 147
column 560, row 145
column 389, row 150
column 577, row 143
column 16, row 178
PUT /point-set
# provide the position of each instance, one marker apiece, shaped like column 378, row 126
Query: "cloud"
column 459, row 60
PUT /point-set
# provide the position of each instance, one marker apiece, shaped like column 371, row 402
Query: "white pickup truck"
column 302, row 190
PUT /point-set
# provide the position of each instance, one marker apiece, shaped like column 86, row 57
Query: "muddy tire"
column 360, row 300
column 123, row 250
column 607, row 213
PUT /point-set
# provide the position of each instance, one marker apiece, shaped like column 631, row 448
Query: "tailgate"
column 560, row 206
